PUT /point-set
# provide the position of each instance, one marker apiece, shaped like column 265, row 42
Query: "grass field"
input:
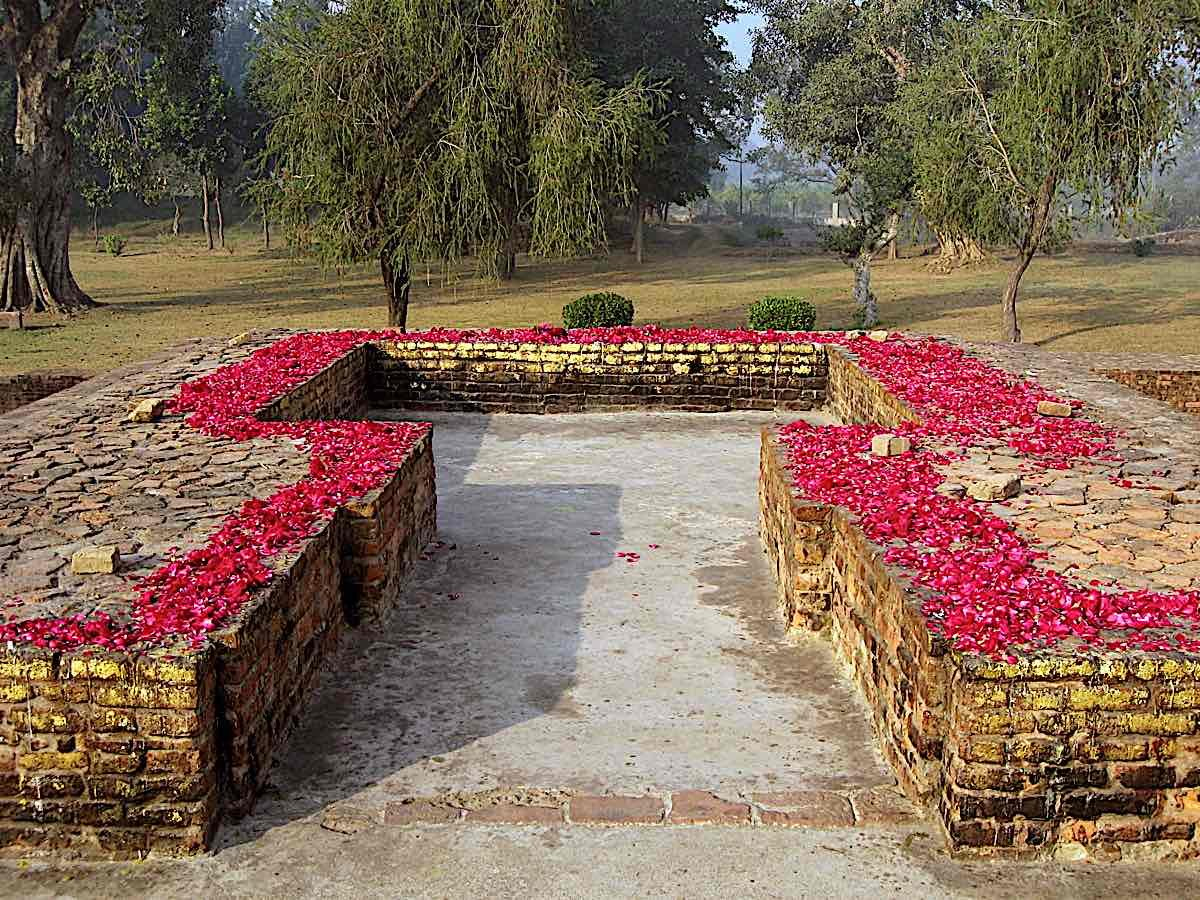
column 163, row 290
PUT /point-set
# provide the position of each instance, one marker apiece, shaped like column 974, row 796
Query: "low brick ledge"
column 1075, row 755
column 861, row 808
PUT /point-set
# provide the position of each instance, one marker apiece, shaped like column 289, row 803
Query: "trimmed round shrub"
column 783, row 313
column 601, row 310
column 1142, row 247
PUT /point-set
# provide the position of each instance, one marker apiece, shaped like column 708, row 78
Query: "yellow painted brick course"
column 46, row 760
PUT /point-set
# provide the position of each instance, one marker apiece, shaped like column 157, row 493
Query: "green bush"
column 783, row 313
column 768, row 233
column 113, row 244
column 1142, row 246
column 602, row 310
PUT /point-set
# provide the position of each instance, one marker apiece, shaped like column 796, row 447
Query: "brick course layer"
column 1072, row 752
column 29, row 387
column 564, row 378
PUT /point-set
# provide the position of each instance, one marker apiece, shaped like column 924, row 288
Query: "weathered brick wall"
column 1180, row 389
column 339, row 391
column 858, row 399
column 1083, row 749
column 831, row 576
column 107, row 754
column 561, row 378
column 18, row 390
column 1067, row 752
column 385, row 533
column 119, row 754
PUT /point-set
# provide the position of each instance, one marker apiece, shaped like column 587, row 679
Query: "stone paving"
column 1134, row 520
column 77, row 474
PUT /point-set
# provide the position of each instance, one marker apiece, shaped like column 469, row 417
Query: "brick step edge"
column 868, row 807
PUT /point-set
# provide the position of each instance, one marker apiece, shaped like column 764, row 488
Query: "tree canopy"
column 428, row 128
column 1037, row 103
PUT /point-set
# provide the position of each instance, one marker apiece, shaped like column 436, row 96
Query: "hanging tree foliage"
column 427, row 129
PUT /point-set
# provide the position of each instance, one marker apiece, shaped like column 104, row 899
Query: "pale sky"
column 738, row 35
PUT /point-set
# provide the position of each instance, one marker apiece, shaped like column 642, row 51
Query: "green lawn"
column 162, row 290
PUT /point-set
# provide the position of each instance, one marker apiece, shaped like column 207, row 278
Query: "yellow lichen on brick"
column 173, row 671
column 14, row 666
column 1161, row 724
column 47, row 760
column 984, row 696
column 148, row 696
column 99, row 667
column 1029, row 697
column 1102, row 697
column 13, row 692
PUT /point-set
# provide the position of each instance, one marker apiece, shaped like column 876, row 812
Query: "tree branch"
column 987, row 118
column 415, row 100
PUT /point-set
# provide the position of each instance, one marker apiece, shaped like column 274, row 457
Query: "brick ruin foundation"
column 118, row 754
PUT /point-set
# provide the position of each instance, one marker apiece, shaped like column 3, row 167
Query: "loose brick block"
column 616, row 810
column 148, row 410
column 103, row 560
column 890, row 445
column 1054, row 409
column 992, row 488
column 703, row 808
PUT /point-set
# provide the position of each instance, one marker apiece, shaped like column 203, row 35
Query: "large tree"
column 830, row 73
column 41, row 41
column 673, row 44
column 425, row 129
column 1039, row 102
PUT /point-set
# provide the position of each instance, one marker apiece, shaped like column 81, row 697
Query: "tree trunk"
column 894, row 243
column 220, row 211
column 1009, row 327
column 204, row 199
column 506, row 262
column 954, row 252
column 864, row 299
column 96, row 227
column 266, row 217
column 175, row 221
column 35, row 258
column 639, row 231
column 397, row 281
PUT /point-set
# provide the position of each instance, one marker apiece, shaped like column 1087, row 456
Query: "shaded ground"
column 529, row 653
column 163, row 290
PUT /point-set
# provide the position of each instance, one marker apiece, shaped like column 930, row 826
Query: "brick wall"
column 1070, row 753
column 831, row 576
column 18, row 390
column 109, row 754
column 339, row 391
column 1180, row 389
column 561, row 378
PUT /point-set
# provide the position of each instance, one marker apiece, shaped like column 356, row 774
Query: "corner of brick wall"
column 1179, row 389
column 1054, row 750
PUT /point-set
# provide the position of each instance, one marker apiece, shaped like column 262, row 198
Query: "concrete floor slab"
column 529, row 653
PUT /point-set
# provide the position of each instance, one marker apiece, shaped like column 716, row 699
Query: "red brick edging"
column 813, row 809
